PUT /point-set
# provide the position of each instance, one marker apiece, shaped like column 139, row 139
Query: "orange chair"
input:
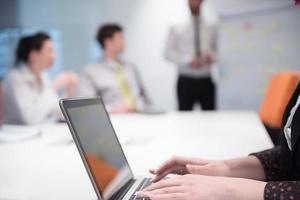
column 279, row 92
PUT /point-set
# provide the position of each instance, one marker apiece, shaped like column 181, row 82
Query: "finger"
column 142, row 194
column 170, row 196
column 162, row 184
column 176, row 165
column 165, row 166
column 181, row 161
column 181, row 170
column 161, row 196
column 158, row 177
column 168, row 190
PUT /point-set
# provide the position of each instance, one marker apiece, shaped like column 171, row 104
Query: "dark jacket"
column 282, row 165
column 292, row 157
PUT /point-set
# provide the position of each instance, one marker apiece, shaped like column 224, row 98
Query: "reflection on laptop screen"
column 100, row 146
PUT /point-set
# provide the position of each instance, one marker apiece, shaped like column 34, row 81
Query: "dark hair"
column 107, row 31
column 29, row 43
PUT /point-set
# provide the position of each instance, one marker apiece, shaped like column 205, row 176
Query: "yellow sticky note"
column 278, row 47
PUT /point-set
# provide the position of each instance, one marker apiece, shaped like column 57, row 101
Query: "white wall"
column 76, row 19
column 8, row 14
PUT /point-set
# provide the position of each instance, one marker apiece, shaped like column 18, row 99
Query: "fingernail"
column 142, row 194
column 138, row 194
column 188, row 167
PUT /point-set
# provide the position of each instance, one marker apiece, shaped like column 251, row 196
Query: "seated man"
column 114, row 79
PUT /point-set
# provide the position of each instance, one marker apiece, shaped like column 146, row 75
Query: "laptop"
column 100, row 150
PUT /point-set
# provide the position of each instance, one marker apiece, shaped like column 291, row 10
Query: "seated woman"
column 29, row 96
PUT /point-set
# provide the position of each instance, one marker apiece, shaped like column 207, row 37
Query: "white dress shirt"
column 100, row 79
column 287, row 127
column 26, row 101
column 180, row 48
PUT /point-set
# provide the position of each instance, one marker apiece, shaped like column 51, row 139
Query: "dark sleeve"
column 282, row 190
column 273, row 164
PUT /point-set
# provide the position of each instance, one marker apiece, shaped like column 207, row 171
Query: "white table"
column 49, row 167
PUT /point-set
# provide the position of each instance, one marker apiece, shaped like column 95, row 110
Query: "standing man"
column 117, row 81
column 192, row 47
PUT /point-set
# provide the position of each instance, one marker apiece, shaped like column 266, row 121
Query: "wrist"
column 245, row 167
column 231, row 167
column 245, row 189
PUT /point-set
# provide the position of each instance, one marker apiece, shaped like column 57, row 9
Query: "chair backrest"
column 277, row 96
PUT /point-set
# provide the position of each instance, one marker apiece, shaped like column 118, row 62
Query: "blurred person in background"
column 30, row 97
column 116, row 80
column 192, row 48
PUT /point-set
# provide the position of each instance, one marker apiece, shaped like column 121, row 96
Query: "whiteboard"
column 252, row 47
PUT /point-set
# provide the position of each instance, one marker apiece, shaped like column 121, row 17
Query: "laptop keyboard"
column 145, row 182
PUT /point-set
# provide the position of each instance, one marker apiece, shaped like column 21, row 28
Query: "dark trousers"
column 196, row 90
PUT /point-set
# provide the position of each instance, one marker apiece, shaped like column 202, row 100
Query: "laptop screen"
column 99, row 145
